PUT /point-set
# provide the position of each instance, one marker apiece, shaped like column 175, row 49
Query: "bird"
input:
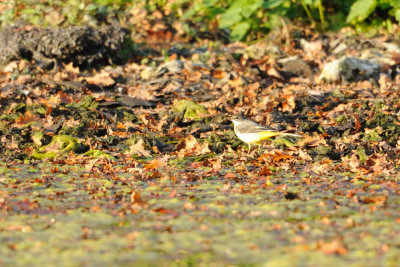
column 251, row 132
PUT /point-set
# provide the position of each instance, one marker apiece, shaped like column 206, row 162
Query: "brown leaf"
column 377, row 163
column 374, row 199
column 272, row 71
column 214, row 163
column 156, row 164
column 161, row 122
column 190, row 146
column 136, row 198
column 28, row 117
column 10, row 67
column 173, row 194
column 289, row 103
column 120, row 126
column 102, row 78
column 312, row 141
column 357, row 125
column 265, row 171
column 219, row 74
column 71, row 69
column 65, row 98
column 303, row 155
column 163, row 210
column 138, row 149
column 121, row 134
column 333, row 247
column 236, row 82
column 229, row 175
column 276, row 156
column 187, row 143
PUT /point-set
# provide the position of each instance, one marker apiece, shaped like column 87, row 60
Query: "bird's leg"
column 248, row 152
column 259, row 148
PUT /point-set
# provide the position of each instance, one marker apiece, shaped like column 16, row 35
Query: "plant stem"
column 308, row 12
column 321, row 13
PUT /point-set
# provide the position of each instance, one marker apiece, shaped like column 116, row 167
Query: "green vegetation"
column 189, row 109
column 137, row 164
column 60, row 215
column 243, row 19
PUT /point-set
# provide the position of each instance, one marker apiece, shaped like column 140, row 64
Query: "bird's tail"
column 290, row 134
column 268, row 134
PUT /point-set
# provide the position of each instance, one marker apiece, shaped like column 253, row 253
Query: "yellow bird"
column 251, row 132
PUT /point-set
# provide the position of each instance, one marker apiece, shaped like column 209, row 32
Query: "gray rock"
column 350, row 69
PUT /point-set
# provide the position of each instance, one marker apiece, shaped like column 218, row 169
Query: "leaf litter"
column 138, row 163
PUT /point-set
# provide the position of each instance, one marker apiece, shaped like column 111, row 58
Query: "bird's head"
column 236, row 119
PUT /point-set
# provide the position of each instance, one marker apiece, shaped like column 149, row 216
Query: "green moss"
column 323, row 150
column 362, row 155
column 342, row 119
column 59, row 145
column 191, row 109
column 218, row 142
column 87, row 102
column 283, row 141
column 372, row 136
column 95, row 153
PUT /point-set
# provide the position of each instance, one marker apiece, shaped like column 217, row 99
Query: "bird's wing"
column 253, row 128
column 260, row 128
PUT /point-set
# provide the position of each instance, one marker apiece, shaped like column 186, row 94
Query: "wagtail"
column 251, row 132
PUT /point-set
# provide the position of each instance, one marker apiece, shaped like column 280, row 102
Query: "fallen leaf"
column 312, row 141
column 190, row 146
column 332, row 247
column 357, row 125
column 102, row 78
column 163, row 210
column 156, row 164
column 136, row 198
column 289, row 103
column 275, row 156
column 26, row 118
column 374, row 199
column 138, row 149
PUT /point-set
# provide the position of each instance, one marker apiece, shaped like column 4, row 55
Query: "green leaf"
column 250, row 7
column 397, row 15
column 230, row 17
column 386, row 3
column 273, row 21
column 271, row 4
column 309, row 2
column 210, row 3
column 240, row 30
column 239, row 9
column 360, row 10
column 191, row 12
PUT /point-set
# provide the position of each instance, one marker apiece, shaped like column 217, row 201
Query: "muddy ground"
column 127, row 147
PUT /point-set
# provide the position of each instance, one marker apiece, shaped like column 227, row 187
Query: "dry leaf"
column 289, row 103
column 333, row 247
column 138, row 149
column 275, row 156
column 312, row 141
column 28, row 117
column 136, row 198
column 190, row 146
column 156, row 164
column 102, row 78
